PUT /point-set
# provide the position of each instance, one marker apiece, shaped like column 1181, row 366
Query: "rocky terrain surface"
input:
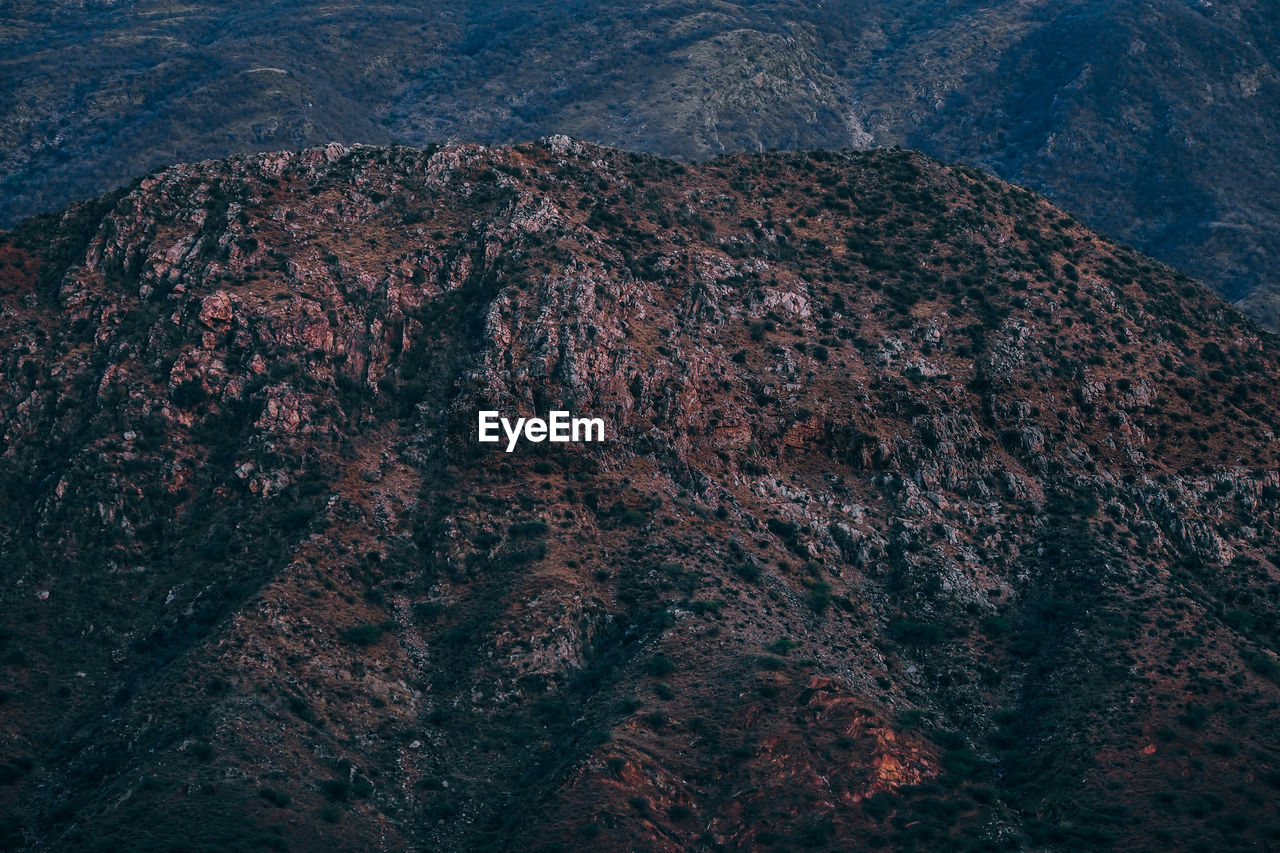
column 1154, row 122
column 927, row 518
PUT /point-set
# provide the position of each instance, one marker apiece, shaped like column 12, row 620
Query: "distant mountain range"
column 926, row 519
column 1156, row 122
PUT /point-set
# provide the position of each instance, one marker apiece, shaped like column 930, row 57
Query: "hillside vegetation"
column 927, row 518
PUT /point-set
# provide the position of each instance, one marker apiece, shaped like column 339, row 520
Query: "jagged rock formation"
column 927, row 517
column 1154, row 122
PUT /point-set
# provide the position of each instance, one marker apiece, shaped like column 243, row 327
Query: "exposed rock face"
column 926, row 518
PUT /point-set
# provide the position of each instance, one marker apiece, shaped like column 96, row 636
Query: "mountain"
column 924, row 518
column 1154, row 122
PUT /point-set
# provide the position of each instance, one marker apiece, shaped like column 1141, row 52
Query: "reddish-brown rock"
column 922, row 513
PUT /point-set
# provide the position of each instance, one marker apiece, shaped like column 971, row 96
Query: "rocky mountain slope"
column 1154, row 122
column 927, row 519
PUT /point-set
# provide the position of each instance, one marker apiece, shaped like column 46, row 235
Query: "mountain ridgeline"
column 1154, row 122
column 926, row 518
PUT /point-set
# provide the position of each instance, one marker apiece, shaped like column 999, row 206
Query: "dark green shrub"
column 337, row 789
column 366, row 634
column 660, row 666
column 424, row 610
column 1262, row 663
column 188, row 393
column 633, row 518
column 819, row 596
column 279, row 799
column 913, row 633
column 782, row 645
column 784, row 530
column 963, row 763
column 880, row 805
column 536, row 527
column 302, row 710
column 703, row 608
column 531, row 554
column 994, row 626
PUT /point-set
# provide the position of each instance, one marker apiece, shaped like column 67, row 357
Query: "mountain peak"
column 925, row 516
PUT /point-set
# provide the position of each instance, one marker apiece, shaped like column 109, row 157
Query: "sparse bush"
column 962, row 763
column 366, row 634
column 660, row 666
column 995, row 626
column 424, row 610
column 704, row 608
column 302, row 710
column 337, row 789
column 782, row 645
column 880, row 805
column 188, row 394
column 819, row 596
column 633, row 518
column 535, row 551
column 279, row 799
column 748, row 570
column 1226, row 749
column 536, row 527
